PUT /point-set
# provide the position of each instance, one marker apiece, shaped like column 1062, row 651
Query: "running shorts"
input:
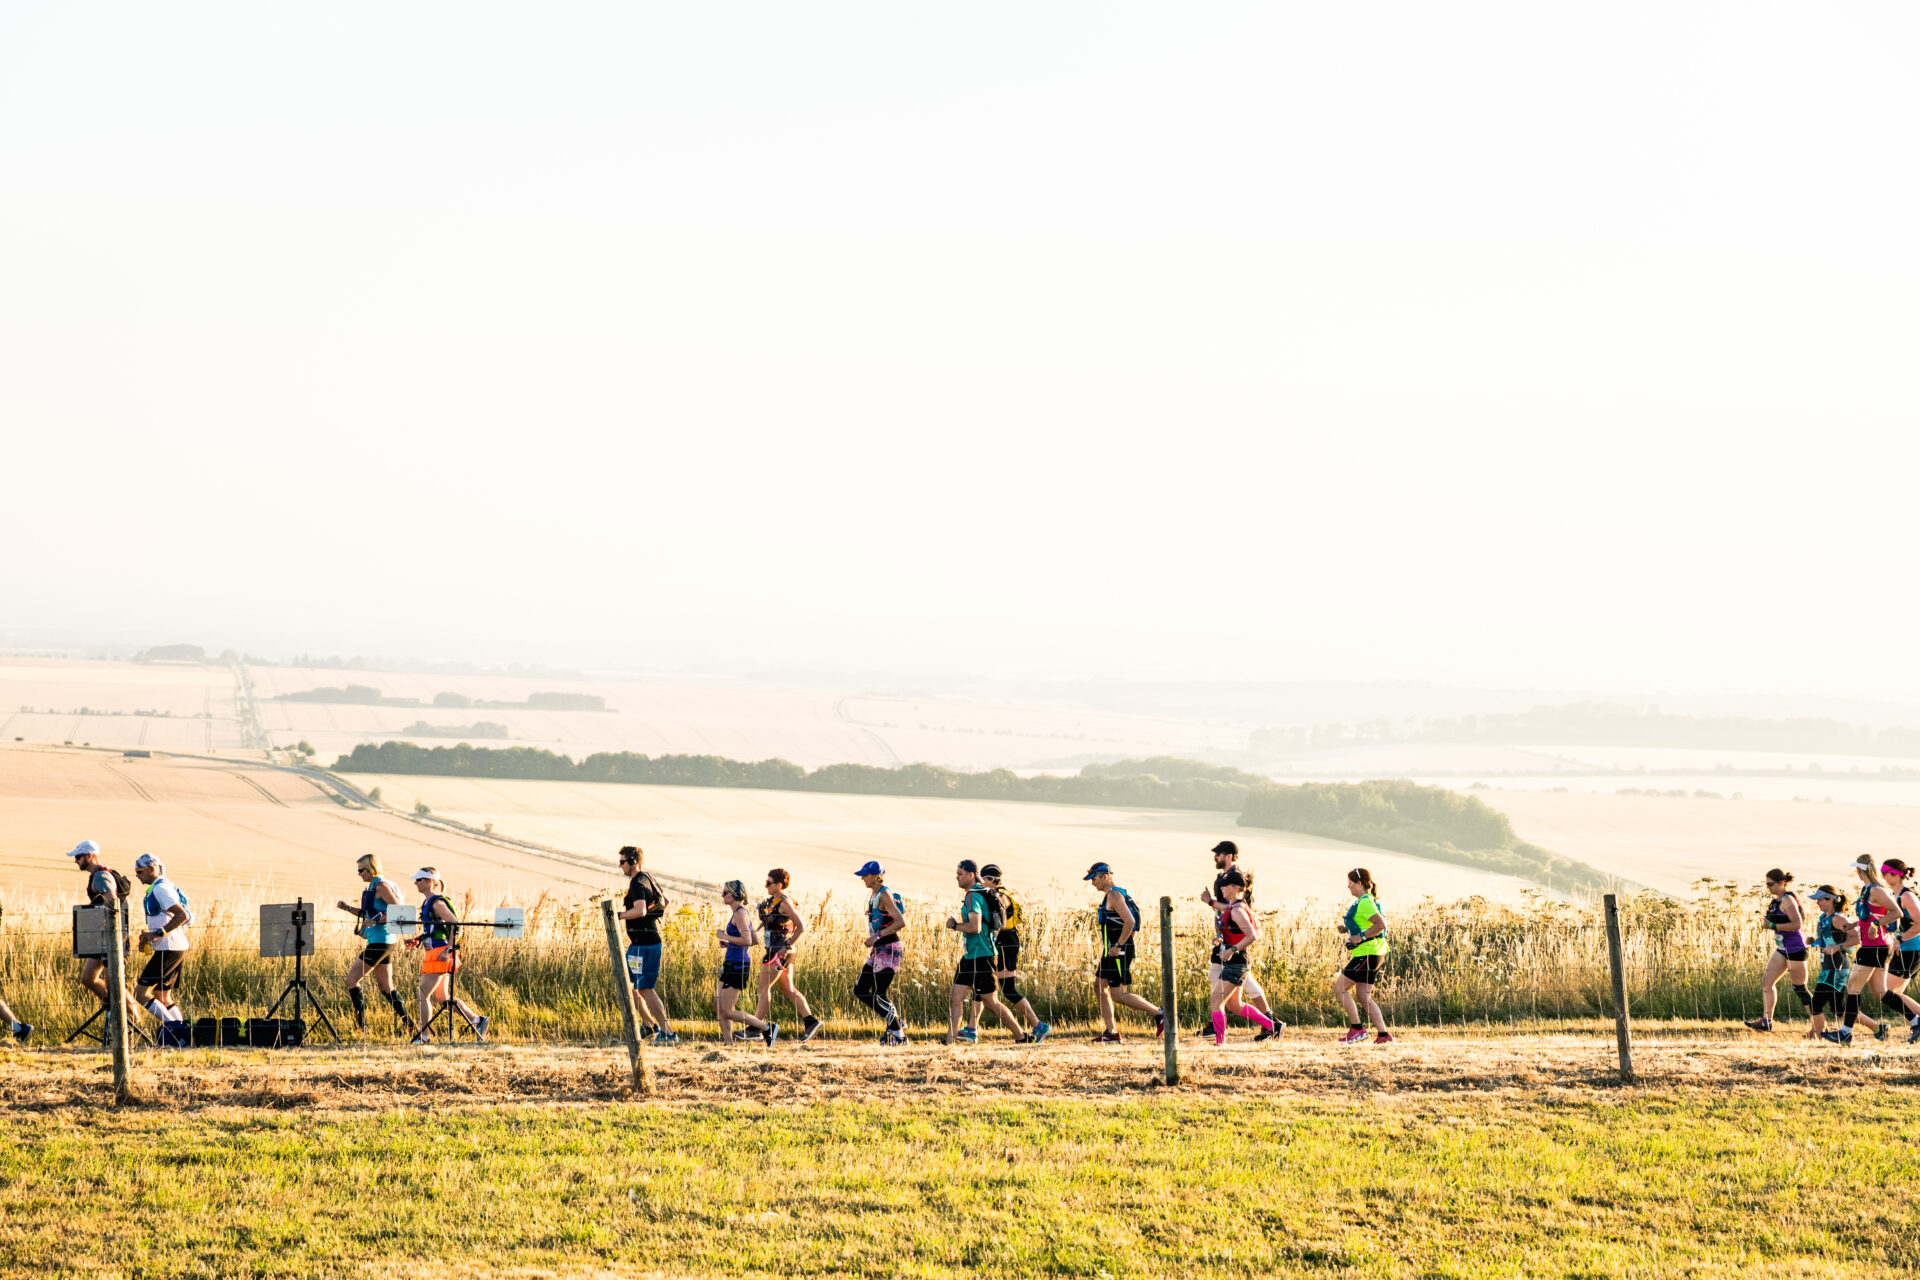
column 1234, row 974
column 975, row 972
column 1116, row 971
column 778, row 956
column 643, row 965
column 1006, row 952
column 885, row 957
column 162, row 971
column 1871, row 957
column 375, row 954
column 733, row 977
column 1903, row 963
column 441, row 959
column 1797, row 955
column 1362, row 969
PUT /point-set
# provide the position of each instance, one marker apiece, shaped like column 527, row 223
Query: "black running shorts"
column 734, row 976
column 1006, row 951
column 1796, row 956
column 1904, row 964
column 1234, row 974
column 162, row 971
column 1871, row 957
column 975, row 972
column 1362, row 969
column 375, row 954
column 1117, row 971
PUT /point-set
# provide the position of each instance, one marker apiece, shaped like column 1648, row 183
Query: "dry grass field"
column 710, row 834
column 192, row 706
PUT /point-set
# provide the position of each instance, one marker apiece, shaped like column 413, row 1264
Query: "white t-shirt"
column 161, row 896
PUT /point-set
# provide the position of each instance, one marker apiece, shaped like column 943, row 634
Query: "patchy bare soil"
column 1304, row 1064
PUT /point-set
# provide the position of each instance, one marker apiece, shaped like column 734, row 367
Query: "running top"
column 161, row 896
column 736, row 955
column 877, row 921
column 1789, row 939
column 1906, row 919
column 1835, row 966
column 1870, row 915
column 435, row 932
column 1233, row 940
column 371, row 905
column 1359, row 919
column 101, row 887
column 774, row 924
column 977, row 945
column 1112, row 922
column 644, row 931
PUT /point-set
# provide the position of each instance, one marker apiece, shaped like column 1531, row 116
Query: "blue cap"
column 1097, row 869
column 871, row 869
column 84, row 848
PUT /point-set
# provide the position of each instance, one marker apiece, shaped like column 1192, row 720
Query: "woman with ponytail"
column 1904, row 959
column 1871, row 910
column 1789, row 952
column 1833, row 935
column 1364, row 928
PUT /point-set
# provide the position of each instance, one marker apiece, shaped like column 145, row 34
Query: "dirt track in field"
column 1305, row 1065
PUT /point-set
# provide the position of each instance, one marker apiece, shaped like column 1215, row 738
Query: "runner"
column 885, row 920
column 1903, row 963
column 644, row 906
column 737, row 935
column 1119, row 919
column 979, row 917
column 1364, row 928
column 1226, row 857
column 377, row 956
column 21, row 1030
column 104, row 885
column 1790, row 949
column 165, row 908
column 1833, row 935
column 1237, row 931
column 781, row 925
column 1006, row 967
column 1870, row 909
column 439, row 944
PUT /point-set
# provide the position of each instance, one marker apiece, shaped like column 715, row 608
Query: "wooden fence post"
column 1169, row 994
column 623, row 997
column 117, row 1028
column 1618, row 962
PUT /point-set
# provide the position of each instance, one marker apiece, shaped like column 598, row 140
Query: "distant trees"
column 450, row 699
column 358, row 695
column 478, row 729
column 172, row 653
column 566, row 702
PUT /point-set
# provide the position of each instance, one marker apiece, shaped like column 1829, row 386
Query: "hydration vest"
column 774, row 924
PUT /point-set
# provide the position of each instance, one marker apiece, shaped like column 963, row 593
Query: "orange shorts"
column 440, row 960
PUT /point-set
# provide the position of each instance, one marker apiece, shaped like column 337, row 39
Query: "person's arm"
column 1206, row 896
column 1253, row 925
column 349, row 908
column 971, row 921
column 176, row 919
column 639, row 908
column 799, row 926
column 1375, row 927
column 1118, row 906
column 1880, row 894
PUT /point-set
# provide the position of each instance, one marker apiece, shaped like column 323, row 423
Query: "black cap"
column 1233, row 877
column 1227, row 847
column 990, row 872
column 967, row 865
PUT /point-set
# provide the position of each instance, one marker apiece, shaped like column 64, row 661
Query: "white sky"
column 1523, row 344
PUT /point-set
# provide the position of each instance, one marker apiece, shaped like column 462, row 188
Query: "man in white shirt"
column 166, row 933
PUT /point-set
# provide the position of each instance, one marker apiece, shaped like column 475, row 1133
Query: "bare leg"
column 787, row 989
column 1769, row 985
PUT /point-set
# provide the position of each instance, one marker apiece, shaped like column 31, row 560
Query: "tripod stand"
column 88, row 953
column 451, row 1005
column 297, row 985
column 507, row 922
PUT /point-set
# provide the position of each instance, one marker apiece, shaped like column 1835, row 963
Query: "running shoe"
column 1842, row 1035
column 1760, row 1024
column 1383, row 1038
column 1107, row 1037
column 893, row 1037
column 420, row 1037
column 1159, row 1024
column 1270, row 1033
column 665, row 1039
column 1880, row 1032
column 811, row 1030
column 21, row 1030
column 1023, row 1038
column 1219, row 1039
column 1355, row 1035
column 771, row 1034
column 1041, row 1031
column 969, row 1036
column 480, row 1027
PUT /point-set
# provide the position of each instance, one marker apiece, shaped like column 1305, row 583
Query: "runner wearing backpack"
column 1119, row 921
column 975, row 925
column 104, row 885
column 1006, row 965
column 885, row 919
column 645, row 905
column 167, row 919
column 1226, row 861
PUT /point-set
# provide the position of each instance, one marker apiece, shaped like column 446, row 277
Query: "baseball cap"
column 1822, row 893
column 1234, row 877
column 1097, row 869
column 870, row 869
column 969, row 866
column 84, row 848
column 1227, row 847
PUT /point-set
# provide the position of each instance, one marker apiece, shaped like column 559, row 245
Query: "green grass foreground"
column 1435, row 1187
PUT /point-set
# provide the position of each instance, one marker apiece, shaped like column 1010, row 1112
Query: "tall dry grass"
column 1465, row 962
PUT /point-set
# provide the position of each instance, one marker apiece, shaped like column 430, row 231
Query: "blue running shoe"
column 1041, row 1031
column 666, row 1039
column 969, row 1036
column 1880, row 1032
column 1913, row 1036
column 480, row 1027
column 771, row 1034
column 21, row 1030
column 1843, row 1035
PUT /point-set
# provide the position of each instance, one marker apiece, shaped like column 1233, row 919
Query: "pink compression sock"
column 1252, row 1014
column 1219, row 1026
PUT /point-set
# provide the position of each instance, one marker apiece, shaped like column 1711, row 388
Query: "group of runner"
column 987, row 977
column 1869, row 947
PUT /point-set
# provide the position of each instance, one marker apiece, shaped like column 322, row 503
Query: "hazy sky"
column 1523, row 344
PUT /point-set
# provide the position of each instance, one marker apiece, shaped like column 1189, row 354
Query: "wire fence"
column 1460, row 964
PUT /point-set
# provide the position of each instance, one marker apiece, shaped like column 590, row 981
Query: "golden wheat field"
column 160, row 706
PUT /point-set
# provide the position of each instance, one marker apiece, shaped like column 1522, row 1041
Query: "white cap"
column 83, row 849
column 424, row 874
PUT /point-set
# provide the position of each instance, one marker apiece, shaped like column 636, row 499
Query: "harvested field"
column 190, row 707
column 1305, row 1064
